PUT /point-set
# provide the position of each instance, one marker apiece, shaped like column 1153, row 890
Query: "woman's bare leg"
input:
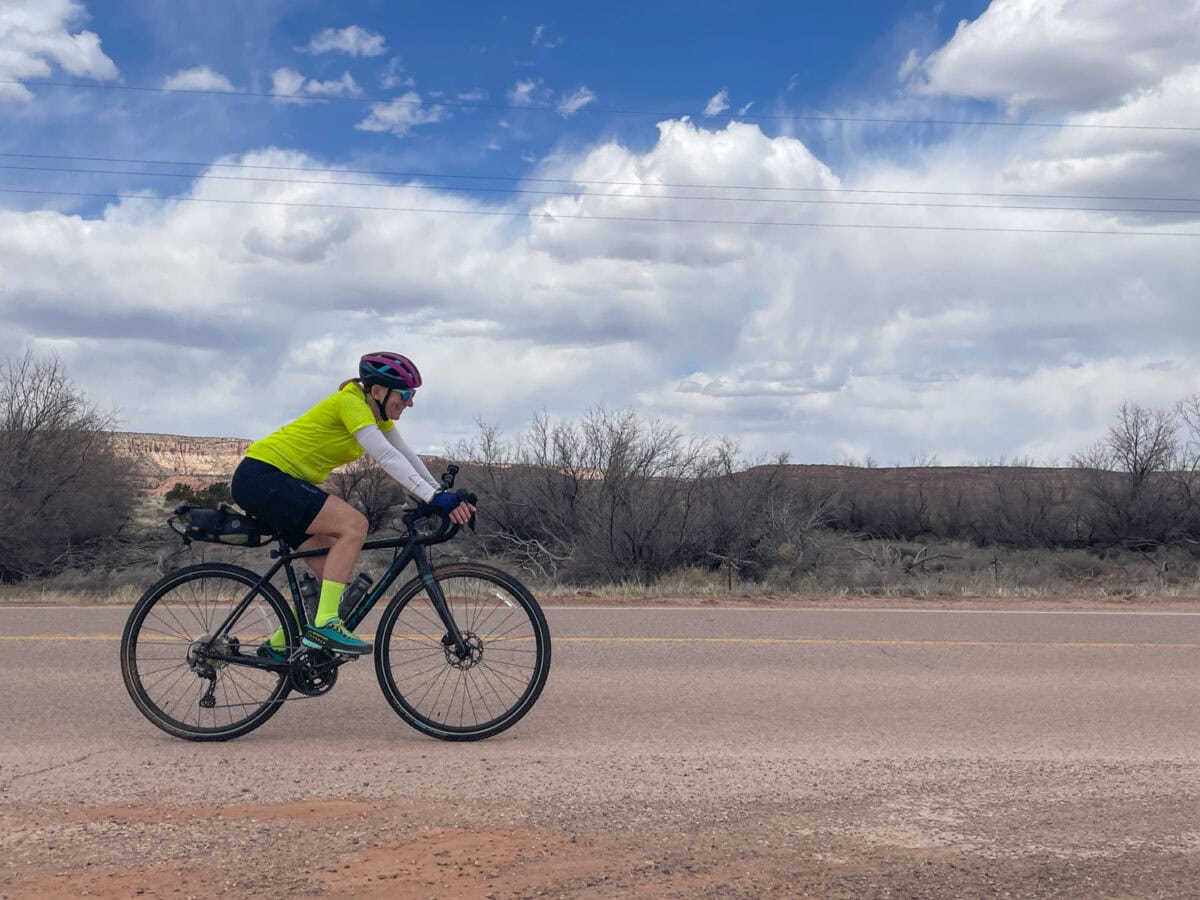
column 347, row 528
column 316, row 564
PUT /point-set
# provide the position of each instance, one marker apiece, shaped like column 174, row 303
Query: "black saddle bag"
column 218, row 526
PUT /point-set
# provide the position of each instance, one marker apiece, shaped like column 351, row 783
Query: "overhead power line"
column 573, row 110
column 562, row 193
column 579, row 216
column 575, row 181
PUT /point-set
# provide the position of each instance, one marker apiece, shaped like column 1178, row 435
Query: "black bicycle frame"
column 413, row 550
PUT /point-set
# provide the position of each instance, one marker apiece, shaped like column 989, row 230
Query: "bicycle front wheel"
column 463, row 699
column 168, row 670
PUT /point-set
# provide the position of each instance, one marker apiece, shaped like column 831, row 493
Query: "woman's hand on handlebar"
column 454, row 506
column 462, row 513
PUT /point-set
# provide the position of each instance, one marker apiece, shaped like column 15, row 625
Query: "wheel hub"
column 474, row 650
column 198, row 653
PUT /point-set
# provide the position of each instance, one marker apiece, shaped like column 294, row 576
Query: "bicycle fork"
column 453, row 638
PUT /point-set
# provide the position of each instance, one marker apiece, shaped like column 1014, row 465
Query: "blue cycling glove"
column 444, row 501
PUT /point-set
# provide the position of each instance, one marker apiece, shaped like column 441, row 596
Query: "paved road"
column 855, row 752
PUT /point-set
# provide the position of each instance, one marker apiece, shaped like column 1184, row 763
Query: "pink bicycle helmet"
column 392, row 370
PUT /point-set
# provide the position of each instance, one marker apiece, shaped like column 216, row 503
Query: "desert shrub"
column 613, row 498
column 213, row 495
column 62, row 489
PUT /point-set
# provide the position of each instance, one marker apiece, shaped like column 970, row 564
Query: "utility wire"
column 574, row 181
column 616, row 111
column 544, row 215
column 494, row 190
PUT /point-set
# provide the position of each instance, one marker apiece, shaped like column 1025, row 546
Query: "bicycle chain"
column 304, row 695
column 266, row 702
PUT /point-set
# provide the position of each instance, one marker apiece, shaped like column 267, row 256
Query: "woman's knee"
column 349, row 523
column 356, row 526
column 339, row 520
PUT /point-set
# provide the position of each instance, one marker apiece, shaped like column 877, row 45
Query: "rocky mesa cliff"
column 161, row 460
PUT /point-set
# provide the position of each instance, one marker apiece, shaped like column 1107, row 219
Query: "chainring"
column 315, row 672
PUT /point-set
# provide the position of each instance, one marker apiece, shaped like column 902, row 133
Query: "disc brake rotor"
column 474, row 650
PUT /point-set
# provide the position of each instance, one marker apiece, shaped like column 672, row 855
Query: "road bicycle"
column 462, row 650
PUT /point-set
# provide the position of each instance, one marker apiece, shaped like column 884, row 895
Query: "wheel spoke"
column 489, row 689
column 168, row 686
column 184, row 638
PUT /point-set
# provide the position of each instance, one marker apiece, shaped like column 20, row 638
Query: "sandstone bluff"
column 161, row 460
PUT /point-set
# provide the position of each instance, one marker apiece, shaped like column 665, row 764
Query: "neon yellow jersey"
column 322, row 439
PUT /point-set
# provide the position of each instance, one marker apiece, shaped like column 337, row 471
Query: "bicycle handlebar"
column 447, row 530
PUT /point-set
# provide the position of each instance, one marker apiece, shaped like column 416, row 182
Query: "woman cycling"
column 277, row 484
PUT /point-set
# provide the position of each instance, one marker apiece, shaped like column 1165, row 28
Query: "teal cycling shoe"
column 275, row 654
column 334, row 637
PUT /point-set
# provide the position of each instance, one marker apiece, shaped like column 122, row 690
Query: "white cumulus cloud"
column 571, row 103
column 401, row 114
column 353, row 40
column 522, row 93
column 802, row 310
column 339, row 87
column 1063, row 54
column 808, row 339
column 37, row 35
column 393, row 75
column 718, row 103
column 287, row 85
column 290, row 86
column 200, row 78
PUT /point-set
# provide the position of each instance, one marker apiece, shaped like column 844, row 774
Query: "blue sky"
column 819, row 311
column 771, row 60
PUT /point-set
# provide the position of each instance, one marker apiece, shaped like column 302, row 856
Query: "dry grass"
column 43, row 593
column 831, row 567
column 837, row 567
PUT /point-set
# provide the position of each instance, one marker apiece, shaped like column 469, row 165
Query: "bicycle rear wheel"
column 475, row 698
column 165, row 667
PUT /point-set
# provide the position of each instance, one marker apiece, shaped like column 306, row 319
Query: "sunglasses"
column 406, row 395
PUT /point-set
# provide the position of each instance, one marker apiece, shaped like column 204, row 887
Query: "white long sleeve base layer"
column 398, row 460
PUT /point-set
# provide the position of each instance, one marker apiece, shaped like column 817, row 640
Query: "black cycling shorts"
column 285, row 504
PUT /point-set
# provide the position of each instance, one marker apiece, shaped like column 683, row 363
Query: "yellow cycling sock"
column 327, row 607
column 278, row 640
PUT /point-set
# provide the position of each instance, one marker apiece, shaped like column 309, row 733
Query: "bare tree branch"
column 62, row 489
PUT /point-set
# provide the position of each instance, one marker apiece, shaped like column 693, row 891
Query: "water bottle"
column 353, row 593
column 310, row 595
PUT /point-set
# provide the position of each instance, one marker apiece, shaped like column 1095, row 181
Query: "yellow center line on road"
column 889, row 642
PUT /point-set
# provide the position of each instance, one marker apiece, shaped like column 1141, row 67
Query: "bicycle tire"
column 183, row 604
column 510, row 653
